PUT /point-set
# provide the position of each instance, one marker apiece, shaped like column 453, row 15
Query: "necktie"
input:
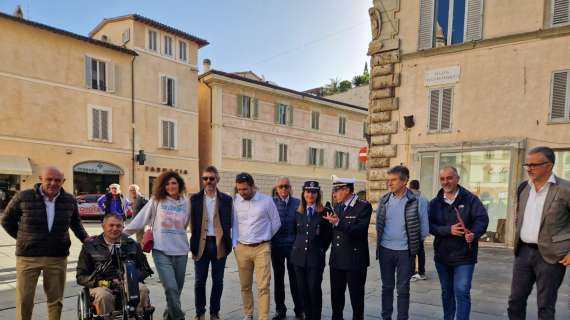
column 310, row 212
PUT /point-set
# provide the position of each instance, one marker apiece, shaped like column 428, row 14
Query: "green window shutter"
column 255, row 103
column 276, row 113
column 321, row 157
column 88, row 74
column 290, row 115
column 239, row 104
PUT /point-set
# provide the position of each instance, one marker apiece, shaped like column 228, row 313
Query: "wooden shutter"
column 290, row 115
column 285, row 153
column 173, row 91
column 559, row 96
column 446, row 106
column 255, row 107
column 560, row 12
column 425, row 34
column 321, row 157
column 249, row 149
column 164, row 134
column 96, row 124
column 433, row 110
column 474, row 20
column 163, row 89
column 276, row 113
column 171, row 135
column 104, row 124
column 310, row 156
column 239, row 103
column 111, row 68
column 88, row 72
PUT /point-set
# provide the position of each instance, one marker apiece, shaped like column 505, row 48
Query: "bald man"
column 39, row 219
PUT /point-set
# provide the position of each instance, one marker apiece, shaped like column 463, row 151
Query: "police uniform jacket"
column 313, row 237
column 349, row 249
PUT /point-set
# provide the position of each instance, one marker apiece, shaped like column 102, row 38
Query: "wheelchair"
column 126, row 294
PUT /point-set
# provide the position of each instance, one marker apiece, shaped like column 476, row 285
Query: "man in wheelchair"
column 112, row 266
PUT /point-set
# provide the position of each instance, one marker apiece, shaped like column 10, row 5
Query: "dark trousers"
column 201, row 268
column 280, row 256
column 309, row 285
column 455, row 290
column 421, row 260
column 529, row 267
column 355, row 279
column 395, row 272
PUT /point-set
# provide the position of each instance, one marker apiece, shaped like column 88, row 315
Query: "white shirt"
column 210, row 206
column 50, row 208
column 450, row 201
column 256, row 220
column 533, row 211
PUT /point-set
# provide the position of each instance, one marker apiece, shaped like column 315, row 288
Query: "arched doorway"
column 93, row 177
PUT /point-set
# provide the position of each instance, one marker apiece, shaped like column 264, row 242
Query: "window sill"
column 440, row 132
column 554, row 122
column 168, row 148
column 101, row 141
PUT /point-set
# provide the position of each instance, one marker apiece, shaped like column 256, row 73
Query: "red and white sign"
column 89, row 209
column 363, row 154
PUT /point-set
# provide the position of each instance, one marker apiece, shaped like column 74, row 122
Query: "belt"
column 254, row 244
column 530, row 245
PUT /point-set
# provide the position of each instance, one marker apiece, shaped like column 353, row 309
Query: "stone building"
column 474, row 84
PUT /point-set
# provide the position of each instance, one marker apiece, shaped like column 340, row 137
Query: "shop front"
column 13, row 170
column 94, row 177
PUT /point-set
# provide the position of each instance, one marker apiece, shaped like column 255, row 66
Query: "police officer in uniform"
column 349, row 258
column 313, row 236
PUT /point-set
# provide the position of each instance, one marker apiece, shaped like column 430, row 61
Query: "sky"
column 299, row 44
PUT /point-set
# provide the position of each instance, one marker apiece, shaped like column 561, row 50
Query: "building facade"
column 472, row 89
column 247, row 124
column 90, row 105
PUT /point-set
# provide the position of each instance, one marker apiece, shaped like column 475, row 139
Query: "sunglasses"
column 284, row 186
column 534, row 165
column 209, row 178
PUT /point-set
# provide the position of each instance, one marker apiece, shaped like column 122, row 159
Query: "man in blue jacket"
column 457, row 219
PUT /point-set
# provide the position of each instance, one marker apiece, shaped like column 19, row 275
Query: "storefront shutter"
column 559, row 96
column 474, row 23
column 560, row 12
column 104, row 124
column 88, row 72
column 96, row 127
column 425, row 34
column 433, row 110
column 446, row 105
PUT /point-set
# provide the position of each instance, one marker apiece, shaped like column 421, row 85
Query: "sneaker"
column 415, row 278
column 422, row 277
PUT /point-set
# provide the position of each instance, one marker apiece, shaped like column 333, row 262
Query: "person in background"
column 138, row 202
column 114, row 201
column 423, row 204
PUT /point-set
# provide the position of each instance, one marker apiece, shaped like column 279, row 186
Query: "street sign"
column 363, row 154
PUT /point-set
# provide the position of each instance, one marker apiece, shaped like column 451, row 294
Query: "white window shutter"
column 110, row 67
column 255, row 107
column 88, row 72
column 249, row 148
column 474, row 21
column 95, row 125
column 164, row 134
column 171, row 135
column 290, row 115
column 560, row 12
column 433, row 110
column 559, row 96
column 425, row 34
column 321, row 157
column 244, row 148
column 239, row 106
column 173, row 82
column 446, row 106
column 277, row 107
column 163, row 89
column 104, row 124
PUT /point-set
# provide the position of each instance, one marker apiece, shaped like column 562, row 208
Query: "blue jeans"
column 171, row 271
column 455, row 290
column 209, row 256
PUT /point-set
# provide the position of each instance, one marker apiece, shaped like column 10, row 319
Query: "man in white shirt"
column 256, row 220
column 542, row 241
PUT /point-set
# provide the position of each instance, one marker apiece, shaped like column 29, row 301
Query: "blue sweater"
column 285, row 237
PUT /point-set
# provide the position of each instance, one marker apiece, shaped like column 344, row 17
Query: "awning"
column 15, row 165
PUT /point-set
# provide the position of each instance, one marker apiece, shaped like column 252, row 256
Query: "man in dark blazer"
column 210, row 242
column 349, row 258
column 542, row 240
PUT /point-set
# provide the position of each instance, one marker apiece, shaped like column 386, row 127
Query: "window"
column 168, row 46
column 246, row 149
column 341, row 160
column 282, row 152
column 182, row 51
column 247, row 107
column 560, row 96
column 126, row 36
column 100, row 123
column 168, row 90
column 362, row 166
column 342, row 126
column 315, row 115
column 440, row 104
column 99, row 74
column 449, row 22
column 562, row 165
column 316, row 157
column 152, row 41
column 560, row 12
column 168, row 136
column 283, row 114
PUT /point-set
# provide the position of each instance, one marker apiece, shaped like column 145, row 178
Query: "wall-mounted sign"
column 161, row 169
column 97, row 167
column 441, row 76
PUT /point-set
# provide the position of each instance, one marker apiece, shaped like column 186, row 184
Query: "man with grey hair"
column 281, row 247
column 542, row 240
column 39, row 219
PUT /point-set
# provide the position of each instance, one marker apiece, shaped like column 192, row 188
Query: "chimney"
column 19, row 13
column 206, row 64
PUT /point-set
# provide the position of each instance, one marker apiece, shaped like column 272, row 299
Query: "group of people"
column 284, row 232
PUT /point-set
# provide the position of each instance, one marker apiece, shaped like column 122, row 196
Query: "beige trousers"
column 104, row 300
column 249, row 260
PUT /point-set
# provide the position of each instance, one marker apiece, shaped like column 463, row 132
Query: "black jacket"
column 225, row 208
column 454, row 250
column 312, row 240
column 95, row 253
column 349, row 249
column 25, row 219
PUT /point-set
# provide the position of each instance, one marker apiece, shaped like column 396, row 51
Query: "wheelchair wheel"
column 84, row 311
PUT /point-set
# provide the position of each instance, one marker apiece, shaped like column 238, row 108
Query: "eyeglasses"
column 284, row 186
column 209, row 178
column 534, row 165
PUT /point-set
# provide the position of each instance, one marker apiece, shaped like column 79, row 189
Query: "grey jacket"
column 554, row 234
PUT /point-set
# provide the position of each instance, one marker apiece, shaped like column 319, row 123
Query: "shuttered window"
column 167, row 46
column 426, row 32
column 182, row 51
column 440, row 109
column 247, row 107
column 342, row 126
column 560, row 96
column 99, row 74
column 246, row 149
column 152, row 40
column 560, row 12
column 341, row 160
column 474, row 23
column 100, row 119
column 315, row 115
column 283, row 152
column 168, row 140
column 168, row 91
column 316, row 157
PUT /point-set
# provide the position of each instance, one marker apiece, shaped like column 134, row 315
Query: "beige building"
column 473, row 84
column 248, row 124
column 90, row 105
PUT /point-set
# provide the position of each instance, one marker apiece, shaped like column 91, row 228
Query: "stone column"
column 384, row 52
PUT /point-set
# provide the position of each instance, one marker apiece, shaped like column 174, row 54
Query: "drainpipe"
column 133, row 161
